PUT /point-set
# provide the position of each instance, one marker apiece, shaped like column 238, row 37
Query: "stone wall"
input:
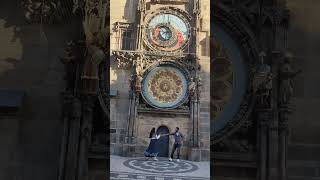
column 303, row 42
column 119, row 105
column 30, row 141
column 147, row 121
column 203, row 50
column 120, row 11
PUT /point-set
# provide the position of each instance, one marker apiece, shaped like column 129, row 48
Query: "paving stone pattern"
column 131, row 176
column 163, row 169
column 161, row 166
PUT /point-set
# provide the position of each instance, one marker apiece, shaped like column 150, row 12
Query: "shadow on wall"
column 128, row 13
column 27, row 49
column 29, row 61
column 303, row 43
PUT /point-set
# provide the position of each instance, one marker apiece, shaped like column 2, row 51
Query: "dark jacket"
column 178, row 137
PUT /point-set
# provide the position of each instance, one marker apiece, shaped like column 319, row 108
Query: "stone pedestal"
column 130, row 140
column 129, row 150
column 194, row 154
column 205, row 155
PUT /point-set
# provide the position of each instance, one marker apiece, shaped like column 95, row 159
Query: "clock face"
column 165, row 87
column 167, row 32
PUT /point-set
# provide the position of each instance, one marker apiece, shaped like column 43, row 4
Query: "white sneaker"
column 155, row 159
column 170, row 159
column 178, row 160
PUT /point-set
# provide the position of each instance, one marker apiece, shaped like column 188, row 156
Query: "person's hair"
column 153, row 131
column 177, row 128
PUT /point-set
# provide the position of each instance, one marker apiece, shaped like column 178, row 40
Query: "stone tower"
column 159, row 75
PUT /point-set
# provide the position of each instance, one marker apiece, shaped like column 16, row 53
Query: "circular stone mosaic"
column 161, row 166
column 165, row 87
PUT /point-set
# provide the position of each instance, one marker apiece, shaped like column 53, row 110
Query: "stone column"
column 195, row 118
column 66, row 110
column 194, row 91
column 73, row 141
column 131, row 114
column 85, row 138
column 263, row 118
column 283, row 140
column 273, row 153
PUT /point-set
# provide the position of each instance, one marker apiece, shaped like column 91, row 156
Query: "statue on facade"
column 286, row 74
column 138, row 84
column 71, row 57
column 139, row 73
column 262, row 82
column 94, row 57
column 192, row 87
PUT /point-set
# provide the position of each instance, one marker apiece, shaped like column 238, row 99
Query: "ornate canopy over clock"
column 167, row 30
column 165, row 86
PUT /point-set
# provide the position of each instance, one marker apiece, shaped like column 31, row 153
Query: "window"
column 123, row 36
column 128, row 40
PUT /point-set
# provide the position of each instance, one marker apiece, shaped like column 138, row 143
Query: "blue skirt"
column 151, row 150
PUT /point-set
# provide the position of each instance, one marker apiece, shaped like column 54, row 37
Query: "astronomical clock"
column 166, row 77
column 165, row 86
column 167, row 30
column 166, row 35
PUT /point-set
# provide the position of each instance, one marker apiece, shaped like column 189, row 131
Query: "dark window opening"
column 128, row 40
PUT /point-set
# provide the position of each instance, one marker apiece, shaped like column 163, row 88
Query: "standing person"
column 178, row 138
column 151, row 150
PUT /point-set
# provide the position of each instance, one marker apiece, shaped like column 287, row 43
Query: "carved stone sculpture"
column 124, row 59
column 138, row 85
column 192, row 87
column 262, row 82
column 37, row 11
column 286, row 80
column 90, row 74
column 72, row 56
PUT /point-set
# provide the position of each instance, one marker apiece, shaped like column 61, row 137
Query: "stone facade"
column 131, row 118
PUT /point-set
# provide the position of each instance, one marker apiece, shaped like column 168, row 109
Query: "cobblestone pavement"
column 147, row 169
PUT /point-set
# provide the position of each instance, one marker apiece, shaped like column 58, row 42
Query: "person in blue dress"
column 151, row 151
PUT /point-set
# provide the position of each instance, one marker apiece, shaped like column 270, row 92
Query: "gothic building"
column 159, row 75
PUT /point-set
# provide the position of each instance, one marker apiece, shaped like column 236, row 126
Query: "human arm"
column 181, row 137
column 164, row 134
column 155, row 137
column 172, row 133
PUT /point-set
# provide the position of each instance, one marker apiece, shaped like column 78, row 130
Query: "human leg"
column 173, row 150
column 178, row 150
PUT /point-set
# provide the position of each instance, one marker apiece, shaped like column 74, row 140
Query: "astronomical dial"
column 165, row 87
column 167, row 32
